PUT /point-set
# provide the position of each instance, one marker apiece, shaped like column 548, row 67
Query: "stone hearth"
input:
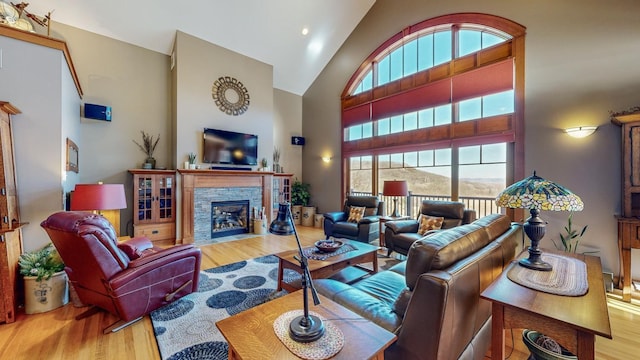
column 202, row 187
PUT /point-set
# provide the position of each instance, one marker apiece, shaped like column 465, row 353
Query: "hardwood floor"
column 57, row 335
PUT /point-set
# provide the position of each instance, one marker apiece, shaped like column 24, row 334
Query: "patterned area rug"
column 185, row 329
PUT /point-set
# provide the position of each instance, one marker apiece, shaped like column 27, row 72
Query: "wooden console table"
column 573, row 321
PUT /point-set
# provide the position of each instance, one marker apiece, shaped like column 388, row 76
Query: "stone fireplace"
column 220, row 212
column 229, row 218
column 202, row 188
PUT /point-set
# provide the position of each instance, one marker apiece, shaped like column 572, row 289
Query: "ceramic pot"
column 296, row 212
column 308, row 213
column 45, row 295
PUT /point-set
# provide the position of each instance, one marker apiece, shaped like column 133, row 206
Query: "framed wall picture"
column 72, row 156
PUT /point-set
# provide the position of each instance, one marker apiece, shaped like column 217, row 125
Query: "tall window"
column 439, row 104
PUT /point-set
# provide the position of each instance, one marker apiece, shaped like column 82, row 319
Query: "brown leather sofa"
column 400, row 234
column 366, row 230
column 432, row 301
column 128, row 279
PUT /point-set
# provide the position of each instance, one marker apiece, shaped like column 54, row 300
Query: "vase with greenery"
column 148, row 146
column 264, row 164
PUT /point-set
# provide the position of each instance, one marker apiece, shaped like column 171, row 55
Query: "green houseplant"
column 300, row 194
column 570, row 238
column 302, row 212
column 45, row 282
column 41, row 264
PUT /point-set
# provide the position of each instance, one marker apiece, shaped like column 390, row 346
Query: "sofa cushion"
column 428, row 222
column 442, row 249
column 356, row 213
column 372, row 298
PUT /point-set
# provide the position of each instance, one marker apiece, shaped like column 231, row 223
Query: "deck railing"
column 410, row 205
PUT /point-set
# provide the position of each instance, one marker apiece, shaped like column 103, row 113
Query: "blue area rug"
column 186, row 328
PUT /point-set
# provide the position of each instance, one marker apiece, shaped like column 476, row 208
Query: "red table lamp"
column 104, row 199
column 395, row 188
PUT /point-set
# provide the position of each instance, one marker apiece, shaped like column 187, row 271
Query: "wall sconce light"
column 581, row 131
column 326, row 159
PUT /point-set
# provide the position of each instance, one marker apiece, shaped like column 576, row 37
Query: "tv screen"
column 228, row 147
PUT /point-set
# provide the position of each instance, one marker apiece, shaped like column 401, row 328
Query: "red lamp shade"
column 395, row 188
column 98, row 197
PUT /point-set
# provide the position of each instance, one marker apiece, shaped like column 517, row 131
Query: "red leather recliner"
column 128, row 279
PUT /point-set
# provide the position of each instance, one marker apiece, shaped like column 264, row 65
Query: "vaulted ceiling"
column 266, row 30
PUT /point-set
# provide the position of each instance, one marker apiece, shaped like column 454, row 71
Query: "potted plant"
column 192, row 160
column 264, row 164
column 45, row 282
column 300, row 196
column 570, row 238
column 148, row 146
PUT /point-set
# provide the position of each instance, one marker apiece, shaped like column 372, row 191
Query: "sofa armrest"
column 469, row 216
column 135, row 247
column 402, row 226
column 335, row 216
column 369, row 220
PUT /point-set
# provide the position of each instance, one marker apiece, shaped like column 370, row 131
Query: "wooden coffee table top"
column 250, row 334
column 361, row 249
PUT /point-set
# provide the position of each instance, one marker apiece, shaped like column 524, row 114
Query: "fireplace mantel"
column 193, row 179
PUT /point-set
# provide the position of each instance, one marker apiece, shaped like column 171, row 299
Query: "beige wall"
column 135, row 83
column 287, row 122
column 146, row 95
column 37, row 80
column 580, row 64
column 198, row 65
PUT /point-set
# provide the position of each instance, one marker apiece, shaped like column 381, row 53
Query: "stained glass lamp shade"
column 535, row 193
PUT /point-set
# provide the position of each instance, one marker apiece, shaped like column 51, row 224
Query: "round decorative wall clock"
column 230, row 95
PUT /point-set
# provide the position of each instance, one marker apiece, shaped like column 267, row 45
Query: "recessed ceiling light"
column 305, row 31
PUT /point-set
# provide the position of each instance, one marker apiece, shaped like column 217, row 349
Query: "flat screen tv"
column 228, row 147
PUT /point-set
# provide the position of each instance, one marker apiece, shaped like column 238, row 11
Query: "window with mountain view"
column 439, row 105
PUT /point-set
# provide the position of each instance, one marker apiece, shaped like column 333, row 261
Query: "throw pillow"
column 427, row 223
column 356, row 213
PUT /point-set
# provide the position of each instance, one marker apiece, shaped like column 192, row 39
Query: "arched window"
column 451, row 85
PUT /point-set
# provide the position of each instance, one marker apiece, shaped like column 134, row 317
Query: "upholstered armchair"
column 364, row 229
column 400, row 234
column 129, row 279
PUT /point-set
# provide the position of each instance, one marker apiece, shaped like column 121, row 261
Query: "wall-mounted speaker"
column 297, row 140
column 97, row 112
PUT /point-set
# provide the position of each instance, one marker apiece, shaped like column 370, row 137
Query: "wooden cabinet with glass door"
column 154, row 205
column 281, row 191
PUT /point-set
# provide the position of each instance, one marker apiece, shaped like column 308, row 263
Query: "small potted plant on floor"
column 45, row 282
column 300, row 196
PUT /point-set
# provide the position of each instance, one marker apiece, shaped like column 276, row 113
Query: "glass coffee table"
column 346, row 263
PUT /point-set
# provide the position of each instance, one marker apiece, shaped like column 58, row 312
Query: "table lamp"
column 104, row 199
column 395, row 188
column 304, row 328
column 535, row 193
